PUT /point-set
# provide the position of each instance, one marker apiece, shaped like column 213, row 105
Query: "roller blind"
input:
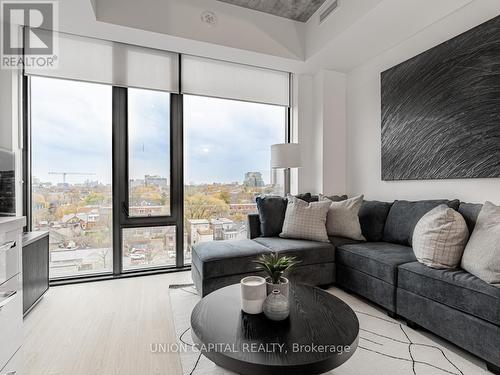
column 221, row 79
column 117, row 64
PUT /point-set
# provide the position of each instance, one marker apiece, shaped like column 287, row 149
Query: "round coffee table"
column 320, row 334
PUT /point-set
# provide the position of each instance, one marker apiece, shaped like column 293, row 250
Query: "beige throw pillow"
column 305, row 220
column 342, row 219
column 440, row 237
column 482, row 253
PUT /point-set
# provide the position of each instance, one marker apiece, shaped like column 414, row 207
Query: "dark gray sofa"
column 450, row 303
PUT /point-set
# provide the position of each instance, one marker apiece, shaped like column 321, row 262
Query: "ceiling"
column 297, row 10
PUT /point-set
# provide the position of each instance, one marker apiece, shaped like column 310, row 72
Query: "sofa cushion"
column 339, row 241
column 377, row 259
column 404, row 215
column 219, row 258
column 335, row 198
column 307, row 197
column 470, row 212
column 308, row 252
column 372, row 217
column 271, row 214
column 455, row 288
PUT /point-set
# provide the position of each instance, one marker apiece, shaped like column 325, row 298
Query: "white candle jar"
column 253, row 294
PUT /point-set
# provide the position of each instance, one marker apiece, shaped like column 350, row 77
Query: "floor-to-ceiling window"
column 71, row 137
column 149, row 181
column 227, row 156
column 160, row 152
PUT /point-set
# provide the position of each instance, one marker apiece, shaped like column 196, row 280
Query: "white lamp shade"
column 285, row 155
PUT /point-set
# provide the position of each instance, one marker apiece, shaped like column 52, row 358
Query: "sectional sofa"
column 451, row 303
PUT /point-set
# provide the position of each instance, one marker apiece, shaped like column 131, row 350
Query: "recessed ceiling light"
column 209, row 18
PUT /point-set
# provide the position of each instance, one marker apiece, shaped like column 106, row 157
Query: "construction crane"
column 64, row 174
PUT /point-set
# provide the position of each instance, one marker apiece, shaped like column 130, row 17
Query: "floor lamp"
column 285, row 156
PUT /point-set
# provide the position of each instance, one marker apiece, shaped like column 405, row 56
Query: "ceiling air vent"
column 329, row 10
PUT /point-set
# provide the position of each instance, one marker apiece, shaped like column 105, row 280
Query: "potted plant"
column 275, row 267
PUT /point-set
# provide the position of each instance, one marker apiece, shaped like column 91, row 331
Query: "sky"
column 72, row 129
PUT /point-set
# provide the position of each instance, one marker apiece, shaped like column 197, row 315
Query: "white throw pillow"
column 305, row 220
column 482, row 253
column 440, row 237
column 343, row 219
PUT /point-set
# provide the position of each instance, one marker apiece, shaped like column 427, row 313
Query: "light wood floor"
column 103, row 328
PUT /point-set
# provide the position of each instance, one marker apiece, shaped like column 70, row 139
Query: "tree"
column 225, row 196
column 151, row 194
column 201, row 206
column 94, row 199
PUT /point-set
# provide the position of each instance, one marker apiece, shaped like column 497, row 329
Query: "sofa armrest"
column 253, row 226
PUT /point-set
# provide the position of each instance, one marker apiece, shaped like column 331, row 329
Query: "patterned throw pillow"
column 440, row 237
column 343, row 218
column 482, row 254
column 305, row 220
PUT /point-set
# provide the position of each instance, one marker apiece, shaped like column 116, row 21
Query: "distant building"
column 199, row 230
column 253, row 179
column 150, row 180
column 224, row 229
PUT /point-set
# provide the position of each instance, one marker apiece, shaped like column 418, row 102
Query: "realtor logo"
column 37, row 48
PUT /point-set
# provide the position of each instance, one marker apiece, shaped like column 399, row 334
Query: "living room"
column 253, row 187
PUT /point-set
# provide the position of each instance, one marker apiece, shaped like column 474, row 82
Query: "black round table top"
column 320, row 334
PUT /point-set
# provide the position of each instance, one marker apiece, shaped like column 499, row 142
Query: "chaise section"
column 221, row 263
column 308, row 252
column 219, row 258
column 455, row 288
column 370, row 270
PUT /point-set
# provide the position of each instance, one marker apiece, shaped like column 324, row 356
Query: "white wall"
column 364, row 114
column 334, row 133
column 322, row 132
column 319, row 35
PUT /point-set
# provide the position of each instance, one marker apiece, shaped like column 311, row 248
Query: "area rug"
column 386, row 346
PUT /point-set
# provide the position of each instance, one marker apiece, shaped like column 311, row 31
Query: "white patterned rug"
column 386, row 346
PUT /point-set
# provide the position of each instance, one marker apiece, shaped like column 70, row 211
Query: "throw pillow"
column 482, row 253
column 305, row 220
column 440, row 237
column 271, row 214
column 343, row 218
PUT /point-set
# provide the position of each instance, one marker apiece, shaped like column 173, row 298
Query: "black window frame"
column 120, row 181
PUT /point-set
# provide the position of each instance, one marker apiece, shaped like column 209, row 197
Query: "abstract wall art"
column 441, row 110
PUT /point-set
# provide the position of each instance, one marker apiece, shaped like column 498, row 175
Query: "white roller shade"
column 117, row 64
column 221, row 79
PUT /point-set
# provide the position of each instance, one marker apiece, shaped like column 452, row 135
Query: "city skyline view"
column 209, row 157
column 226, row 164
